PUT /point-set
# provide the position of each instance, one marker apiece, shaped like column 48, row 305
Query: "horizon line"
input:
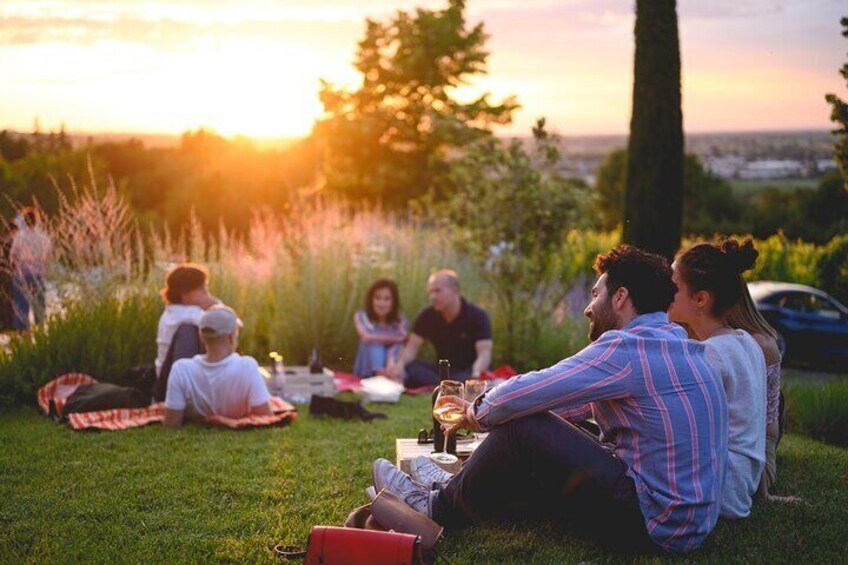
column 290, row 138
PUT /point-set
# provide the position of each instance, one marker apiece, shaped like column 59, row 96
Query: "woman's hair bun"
column 740, row 257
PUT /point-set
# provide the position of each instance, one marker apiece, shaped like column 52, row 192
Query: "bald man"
column 460, row 331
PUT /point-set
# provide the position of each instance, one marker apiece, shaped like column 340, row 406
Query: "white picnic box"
column 301, row 384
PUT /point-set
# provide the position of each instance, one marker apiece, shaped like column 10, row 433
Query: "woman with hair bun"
column 709, row 284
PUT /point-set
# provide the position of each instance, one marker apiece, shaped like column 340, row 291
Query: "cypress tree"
column 654, row 195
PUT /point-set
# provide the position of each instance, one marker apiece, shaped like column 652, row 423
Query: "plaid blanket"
column 58, row 390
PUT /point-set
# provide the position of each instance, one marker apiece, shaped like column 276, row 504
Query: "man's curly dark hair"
column 646, row 276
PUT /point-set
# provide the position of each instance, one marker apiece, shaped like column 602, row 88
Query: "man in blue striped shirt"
column 654, row 476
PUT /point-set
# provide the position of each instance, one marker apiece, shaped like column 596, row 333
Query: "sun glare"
column 248, row 88
column 235, row 87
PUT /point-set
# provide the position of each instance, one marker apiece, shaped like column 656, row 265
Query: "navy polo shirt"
column 455, row 341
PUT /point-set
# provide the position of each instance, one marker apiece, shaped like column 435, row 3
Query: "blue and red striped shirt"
column 658, row 402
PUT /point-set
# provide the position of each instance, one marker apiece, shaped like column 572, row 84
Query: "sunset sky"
column 253, row 66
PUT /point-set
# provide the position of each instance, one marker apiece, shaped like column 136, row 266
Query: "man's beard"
column 602, row 320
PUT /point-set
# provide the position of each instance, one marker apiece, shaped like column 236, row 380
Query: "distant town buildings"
column 739, row 168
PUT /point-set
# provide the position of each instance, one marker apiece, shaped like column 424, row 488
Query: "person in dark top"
column 460, row 331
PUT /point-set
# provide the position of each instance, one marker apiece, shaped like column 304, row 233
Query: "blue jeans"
column 372, row 356
column 27, row 294
column 541, row 466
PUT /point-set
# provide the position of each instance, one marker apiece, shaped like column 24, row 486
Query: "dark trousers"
column 541, row 466
column 421, row 373
column 185, row 344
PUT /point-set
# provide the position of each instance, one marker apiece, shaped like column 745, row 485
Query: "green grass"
column 820, row 409
column 199, row 495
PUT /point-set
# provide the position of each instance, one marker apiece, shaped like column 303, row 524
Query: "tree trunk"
column 653, row 207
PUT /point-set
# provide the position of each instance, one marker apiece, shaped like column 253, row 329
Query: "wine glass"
column 473, row 389
column 448, row 409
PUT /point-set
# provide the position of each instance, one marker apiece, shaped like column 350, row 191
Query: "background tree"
column 391, row 138
column 654, row 197
column 709, row 204
column 839, row 115
column 511, row 213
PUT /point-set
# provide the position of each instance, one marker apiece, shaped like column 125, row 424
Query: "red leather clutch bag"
column 349, row 546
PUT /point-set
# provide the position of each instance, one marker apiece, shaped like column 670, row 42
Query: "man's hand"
column 468, row 422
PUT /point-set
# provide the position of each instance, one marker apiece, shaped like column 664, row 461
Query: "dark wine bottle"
column 314, row 362
column 438, row 434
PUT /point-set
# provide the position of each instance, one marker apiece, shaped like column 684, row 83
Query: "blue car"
column 813, row 326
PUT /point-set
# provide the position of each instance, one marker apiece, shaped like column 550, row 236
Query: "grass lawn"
column 208, row 495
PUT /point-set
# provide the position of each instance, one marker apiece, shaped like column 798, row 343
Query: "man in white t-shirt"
column 221, row 382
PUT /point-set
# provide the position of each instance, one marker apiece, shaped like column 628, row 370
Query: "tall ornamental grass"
column 297, row 280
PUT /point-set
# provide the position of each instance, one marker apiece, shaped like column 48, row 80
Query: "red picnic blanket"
column 348, row 382
column 58, row 390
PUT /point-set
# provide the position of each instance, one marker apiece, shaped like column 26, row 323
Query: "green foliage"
column 820, row 410
column 813, row 215
column 510, row 215
column 653, row 204
column 839, row 116
column 102, row 338
column 390, row 139
column 32, row 178
column 783, row 260
column 709, row 205
column 832, row 268
column 205, row 177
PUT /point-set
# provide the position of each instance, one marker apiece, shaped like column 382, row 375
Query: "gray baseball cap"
column 219, row 321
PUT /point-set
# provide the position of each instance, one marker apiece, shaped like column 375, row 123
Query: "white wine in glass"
column 448, row 409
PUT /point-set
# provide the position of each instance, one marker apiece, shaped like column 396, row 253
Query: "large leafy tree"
column 839, row 115
column 653, row 205
column 389, row 139
column 510, row 214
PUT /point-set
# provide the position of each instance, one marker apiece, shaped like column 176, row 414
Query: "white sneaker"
column 429, row 474
column 387, row 476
